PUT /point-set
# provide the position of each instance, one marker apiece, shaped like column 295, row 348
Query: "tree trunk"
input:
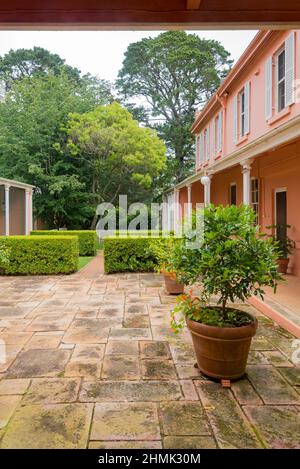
column 94, row 222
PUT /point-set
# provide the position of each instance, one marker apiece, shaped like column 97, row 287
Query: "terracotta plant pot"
column 172, row 286
column 282, row 265
column 222, row 352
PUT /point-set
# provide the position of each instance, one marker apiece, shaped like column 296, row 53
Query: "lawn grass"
column 83, row 261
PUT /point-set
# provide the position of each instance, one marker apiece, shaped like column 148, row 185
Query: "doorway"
column 281, row 214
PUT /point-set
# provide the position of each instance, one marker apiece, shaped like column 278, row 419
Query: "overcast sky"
column 101, row 52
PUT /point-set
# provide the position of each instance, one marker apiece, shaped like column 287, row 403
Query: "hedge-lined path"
column 91, row 362
column 94, row 268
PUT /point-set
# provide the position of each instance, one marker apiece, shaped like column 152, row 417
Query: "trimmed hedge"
column 142, row 233
column 41, row 254
column 128, row 255
column 87, row 239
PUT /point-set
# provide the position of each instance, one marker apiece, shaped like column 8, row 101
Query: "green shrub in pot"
column 232, row 262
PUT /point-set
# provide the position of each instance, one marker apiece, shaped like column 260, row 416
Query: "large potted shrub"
column 165, row 251
column 285, row 246
column 231, row 262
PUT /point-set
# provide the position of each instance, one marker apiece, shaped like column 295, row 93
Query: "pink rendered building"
column 248, row 139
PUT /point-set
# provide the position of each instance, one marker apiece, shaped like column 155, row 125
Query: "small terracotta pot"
column 282, row 265
column 172, row 286
column 222, row 352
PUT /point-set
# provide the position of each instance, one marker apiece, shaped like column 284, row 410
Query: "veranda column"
column 165, row 207
column 7, row 188
column 28, row 211
column 189, row 200
column 206, row 181
column 246, row 170
column 176, row 209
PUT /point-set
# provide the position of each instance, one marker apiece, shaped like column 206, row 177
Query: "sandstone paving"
column 278, row 425
column 189, row 442
column 125, row 421
column 183, row 418
column 133, row 444
column 57, row 322
column 87, row 370
column 91, row 362
column 292, row 375
column 44, row 340
column 245, row 392
column 43, row 362
column 155, row 369
column 115, row 347
column 62, row 426
column 271, row 386
column 52, row 391
column 155, row 349
column 230, row 427
column 14, row 386
column 120, row 367
column 8, row 405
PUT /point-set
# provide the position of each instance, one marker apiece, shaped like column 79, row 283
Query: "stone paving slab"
column 43, row 362
column 278, row 425
column 228, row 422
column 62, row 426
column 125, row 421
column 52, row 391
column 189, row 442
column 91, row 362
column 183, row 418
column 134, row 444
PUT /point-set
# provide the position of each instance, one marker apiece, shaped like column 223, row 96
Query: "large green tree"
column 25, row 63
column 113, row 154
column 173, row 75
column 31, row 119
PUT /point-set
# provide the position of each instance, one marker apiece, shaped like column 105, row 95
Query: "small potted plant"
column 285, row 246
column 230, row 262
column 164, row 250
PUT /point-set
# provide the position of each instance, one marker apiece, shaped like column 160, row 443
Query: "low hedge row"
column 128, row 254
column 143, row 233
column 87, row 239
column 41, row 255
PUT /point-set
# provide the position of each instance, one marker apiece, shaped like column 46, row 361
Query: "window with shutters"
column 217, row 135
column 197, row 150
column 241, row 101
column 242, row 113
column 201, row 149
column 280, row 80
column 206, row 145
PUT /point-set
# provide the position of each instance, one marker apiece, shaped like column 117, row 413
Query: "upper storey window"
column 280, row 72
column 203, row 147
column 242, row 113
column 217, row 130
column 279, row 78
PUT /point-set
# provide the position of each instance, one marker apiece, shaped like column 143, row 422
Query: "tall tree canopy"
column 31, row 119
column 65, row 138
column 174, row 74
column 25, row 63
column 113, row 154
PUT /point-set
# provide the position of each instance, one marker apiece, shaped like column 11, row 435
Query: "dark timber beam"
column 154, row 14
column 193, row 4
